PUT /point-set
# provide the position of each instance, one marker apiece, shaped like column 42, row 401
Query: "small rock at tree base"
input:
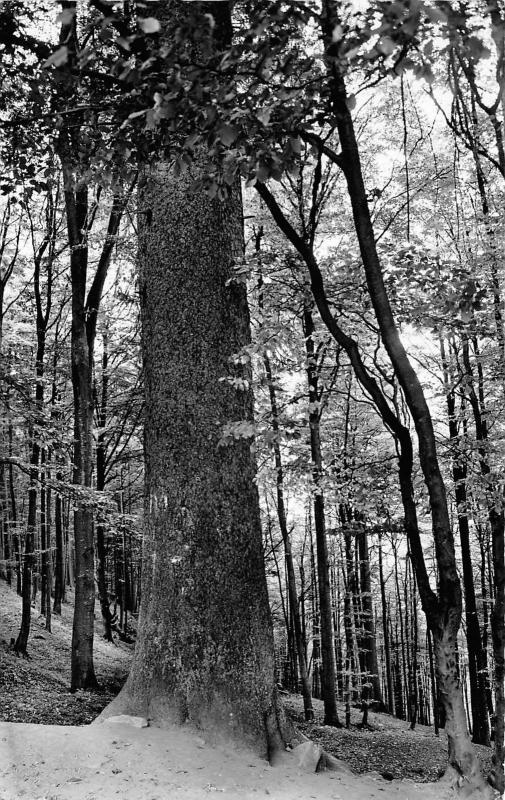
column 126, row 719
column 308, row 755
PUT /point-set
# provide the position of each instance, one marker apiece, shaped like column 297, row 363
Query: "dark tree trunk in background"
column 329, row 677
column 385, row 632
column 477, row 667
column 27, row 557
column 413, row 688
column 45, row 249
column 76, row 207
column 76, row 203
column 14, row 514
column 5, row 532
column 442, row 608
column 85, row 308
column 351, row 668
column 475, row 390
column 101, row 455
column 290, row 570
column 368, row 640
column 498, row 527
column 300, row 643
column 45, row 542
column 59, row 566
column 59, row 543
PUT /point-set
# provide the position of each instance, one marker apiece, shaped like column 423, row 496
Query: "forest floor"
column 36, row 689
column 45, row 756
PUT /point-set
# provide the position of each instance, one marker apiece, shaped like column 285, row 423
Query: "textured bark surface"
column 205, row 647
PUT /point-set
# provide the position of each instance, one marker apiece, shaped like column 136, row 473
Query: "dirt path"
column 111, row 761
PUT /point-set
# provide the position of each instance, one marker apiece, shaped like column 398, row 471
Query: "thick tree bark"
column 205, row 647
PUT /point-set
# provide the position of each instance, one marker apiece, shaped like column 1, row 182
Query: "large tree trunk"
column 205, row 647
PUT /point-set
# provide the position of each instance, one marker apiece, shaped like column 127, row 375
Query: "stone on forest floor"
column 334, row 764
column 126, row 719
column 308, row 755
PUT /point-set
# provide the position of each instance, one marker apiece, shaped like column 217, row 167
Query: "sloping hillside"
column 37, row 689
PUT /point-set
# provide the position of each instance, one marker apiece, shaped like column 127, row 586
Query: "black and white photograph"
column 252, row 399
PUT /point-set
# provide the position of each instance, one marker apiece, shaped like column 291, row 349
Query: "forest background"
column 369, row 139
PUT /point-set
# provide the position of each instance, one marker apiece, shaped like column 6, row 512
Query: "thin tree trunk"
column 14, row 514
column 325, row 603
column 476, row 657
column 21, row 643
column 49, row 568
column 45, row 536
column 101, row 455
column 42, row 319
column 415, row 635
column 290, row 570
column 369, row 639
column 385, row 632
column 443, row 610
column 76, row 203
column 59, row 569
column 282, row 518
column 85, row 308
column 350, row 666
